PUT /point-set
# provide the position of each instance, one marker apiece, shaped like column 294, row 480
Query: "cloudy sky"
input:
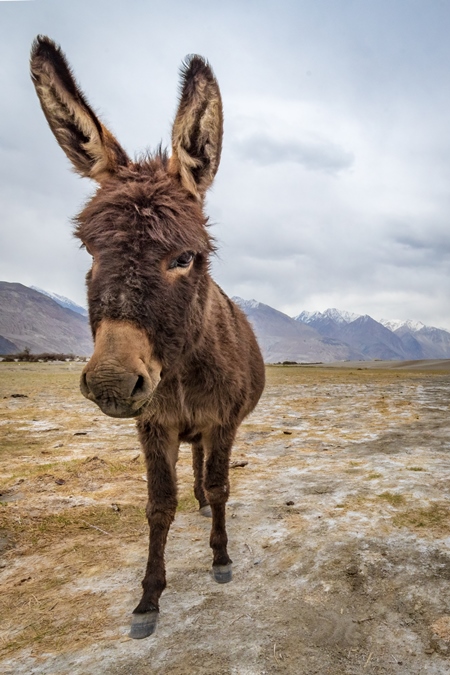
column 334, row 186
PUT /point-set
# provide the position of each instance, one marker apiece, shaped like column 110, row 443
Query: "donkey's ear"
column 198, row 127
column 92, row 149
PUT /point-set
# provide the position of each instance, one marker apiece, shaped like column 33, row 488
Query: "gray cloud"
column 333, row 186
column 317, row 155
column 414, row 252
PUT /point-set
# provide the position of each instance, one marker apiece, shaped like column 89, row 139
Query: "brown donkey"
column 170, row 347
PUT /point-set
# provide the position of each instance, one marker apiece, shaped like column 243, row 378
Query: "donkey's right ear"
column 197, row 130
column 92, row 149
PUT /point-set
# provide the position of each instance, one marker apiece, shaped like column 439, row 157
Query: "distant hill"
column 46, row 322
column 31, row 319
column 7, row 347
column 373, row 339
column 282, row 338
column 433, row 342
column 63, row 301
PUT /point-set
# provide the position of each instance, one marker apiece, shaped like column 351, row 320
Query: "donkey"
column 170, row 348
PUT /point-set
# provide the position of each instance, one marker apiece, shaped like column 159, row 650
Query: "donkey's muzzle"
column 122, row 373
column 117, row 393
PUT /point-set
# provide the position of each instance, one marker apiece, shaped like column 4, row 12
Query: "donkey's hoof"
column 222, row 573
column 143, row 625
column 205, row 511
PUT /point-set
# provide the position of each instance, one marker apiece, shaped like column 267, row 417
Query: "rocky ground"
column 338, row 525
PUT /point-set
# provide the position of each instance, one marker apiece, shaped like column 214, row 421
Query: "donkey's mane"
column 143, row 200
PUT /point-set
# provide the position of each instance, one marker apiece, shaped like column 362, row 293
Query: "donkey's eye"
column 86, row 248
column 183, row 260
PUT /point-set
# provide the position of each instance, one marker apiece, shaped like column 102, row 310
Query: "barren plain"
column 338, row 526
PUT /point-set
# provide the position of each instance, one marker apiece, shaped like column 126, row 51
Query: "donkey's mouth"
column 114, row 406
column 120, row 409
column 120, row 412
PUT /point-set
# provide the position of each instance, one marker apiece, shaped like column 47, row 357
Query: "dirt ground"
column 338, row 526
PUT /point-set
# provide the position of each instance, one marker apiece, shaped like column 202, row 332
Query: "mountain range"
column 47, row 322
column 29, row 319
column 336, row 335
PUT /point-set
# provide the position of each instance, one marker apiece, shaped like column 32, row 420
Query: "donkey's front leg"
column 161, row 452
column 217, row 489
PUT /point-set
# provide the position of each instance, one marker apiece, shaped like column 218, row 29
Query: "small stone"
column 290, row 503
column 238, row 464
column 351, row 570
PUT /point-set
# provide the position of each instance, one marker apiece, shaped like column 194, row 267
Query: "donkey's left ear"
column 198, row 127
column 92, row 149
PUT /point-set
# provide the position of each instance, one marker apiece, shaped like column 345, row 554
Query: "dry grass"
column 72, row 498
column 36, row 533
column 394, row 499
column 73, row 493
column 434, row 518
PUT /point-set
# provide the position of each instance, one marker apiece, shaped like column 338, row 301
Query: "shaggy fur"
column 170, row 347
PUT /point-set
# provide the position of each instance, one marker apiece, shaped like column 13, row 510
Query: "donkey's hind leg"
column 198, row 463
column 217, row 489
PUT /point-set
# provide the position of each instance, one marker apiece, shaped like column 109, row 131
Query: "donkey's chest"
column 190, row 411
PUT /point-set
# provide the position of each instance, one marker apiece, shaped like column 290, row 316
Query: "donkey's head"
column 145, row 229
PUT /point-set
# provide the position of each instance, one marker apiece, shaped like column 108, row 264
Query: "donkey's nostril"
column 139, row 387
column 83, row 384
column 119, row 393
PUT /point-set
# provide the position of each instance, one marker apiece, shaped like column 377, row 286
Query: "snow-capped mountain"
column 385, row 339
column 62, row 301
column 365, row 335
column 281, row 338
column 395, row 324
column 334, row 314
column 338, row 335
column 434, row 342
column 246, row 304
